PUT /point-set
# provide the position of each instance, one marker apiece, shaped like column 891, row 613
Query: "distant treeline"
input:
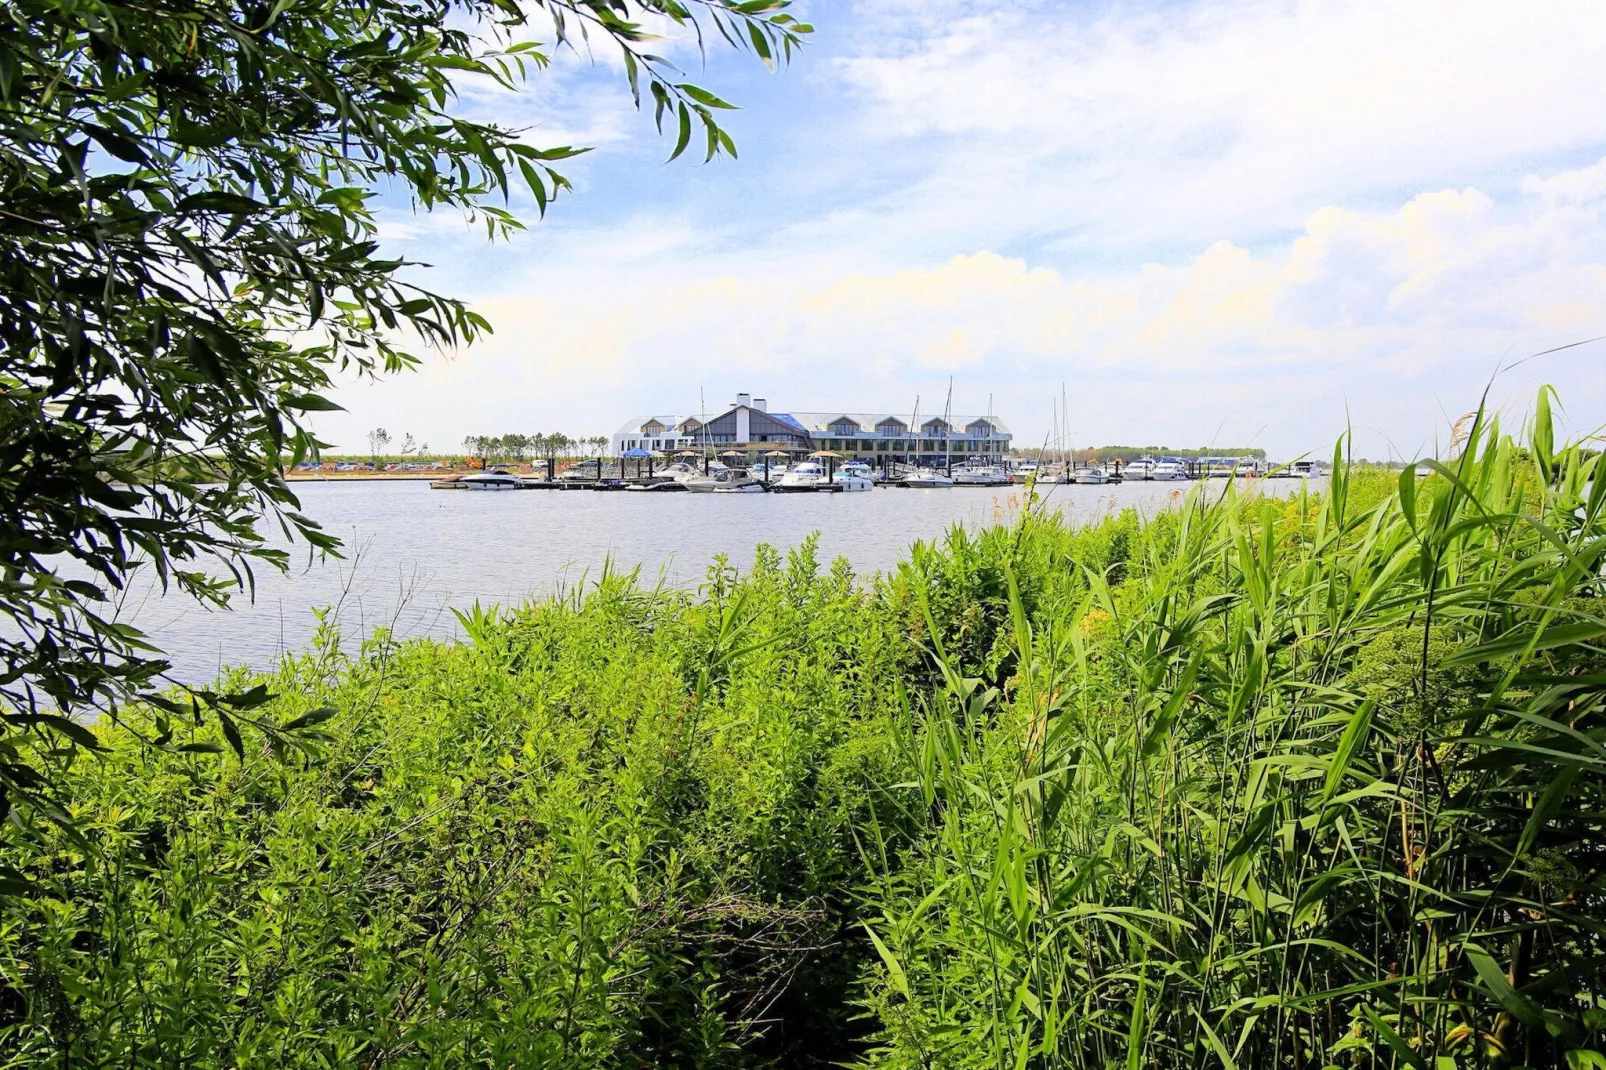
column 518, row 448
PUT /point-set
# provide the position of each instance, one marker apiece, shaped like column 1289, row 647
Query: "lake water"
column 412, row 553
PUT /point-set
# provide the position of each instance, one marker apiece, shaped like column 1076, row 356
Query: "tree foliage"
column 189, row 256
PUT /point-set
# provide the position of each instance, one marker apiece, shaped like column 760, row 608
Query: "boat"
column 1093, row 474
column 495, row 479
column 726, row 481
column 979, row 475
column 1168, row 468
column 805, row 476
column 738, row 481
column 931, row 478
column 853, row 476
column 1142, row 468
column 1306, row 469
column 927, row 478
column 1246, row 467
column 1024, row 471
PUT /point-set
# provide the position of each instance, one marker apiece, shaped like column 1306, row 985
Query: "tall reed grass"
column 1259, row 781
column 1300, row 784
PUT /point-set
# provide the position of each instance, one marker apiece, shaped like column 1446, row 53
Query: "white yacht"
column 804, row 476
column 1024, row 471
column 853, row 476
column 928, row 478
column 1094, row 474
column 1142, row 468
column 495, row 479
column 975, row 474
column 738, row 481
column 726, row 481
column 1169, row 468
column 1306, row 469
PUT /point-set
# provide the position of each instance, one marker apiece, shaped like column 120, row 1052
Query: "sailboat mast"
column 947, row 429
column 1065, row 447
column 914, row 429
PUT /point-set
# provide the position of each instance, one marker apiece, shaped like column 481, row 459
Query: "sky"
column 1204, row 223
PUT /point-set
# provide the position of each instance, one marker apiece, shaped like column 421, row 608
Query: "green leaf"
column 312, row 403
column 684, row 137
column 231, row 732
column 1354, row 737
column 310, row 718
column 900, row 981
column 1518, row 640
column 703, row 96
column 1543, row 441
column 1395, row 1042
column 74, row 731
column 1494, row 980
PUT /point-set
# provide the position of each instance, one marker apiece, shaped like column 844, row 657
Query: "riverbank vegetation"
column 1254, row 782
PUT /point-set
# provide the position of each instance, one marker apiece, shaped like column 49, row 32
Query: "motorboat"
column 737, row 481
column 984, row 475
column 495, row 479
column 1246, row 467
column 927, row 478
column 1093, row 474
column 1305, row 469
column 726, row 481
column 1142, row 468
column 1168, row 468
column 1024, row 471
column 805, row 476
column 853, row 476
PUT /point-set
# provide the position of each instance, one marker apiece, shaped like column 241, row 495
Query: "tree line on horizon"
column 516, row 448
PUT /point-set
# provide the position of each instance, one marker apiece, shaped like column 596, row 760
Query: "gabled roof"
column 633, row 428
column 815, row 423
column 820, row 422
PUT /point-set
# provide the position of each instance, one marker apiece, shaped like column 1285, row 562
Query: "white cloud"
column 1402, row 312
column 1229, row 117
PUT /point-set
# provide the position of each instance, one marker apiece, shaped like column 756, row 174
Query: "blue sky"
column 1222, row 222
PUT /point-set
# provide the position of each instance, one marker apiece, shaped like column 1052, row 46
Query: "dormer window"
column 892, row 428
column 689, row 427
column 980, row 428
column 934, row 427
column 652, row 427
column 844, row 426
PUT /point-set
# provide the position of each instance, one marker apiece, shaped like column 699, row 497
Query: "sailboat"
column 931, row 478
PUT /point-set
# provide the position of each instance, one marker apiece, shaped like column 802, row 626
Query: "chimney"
column 761, row 405
column 744, row 399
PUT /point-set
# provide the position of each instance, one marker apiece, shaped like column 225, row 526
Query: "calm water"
column 413, row 553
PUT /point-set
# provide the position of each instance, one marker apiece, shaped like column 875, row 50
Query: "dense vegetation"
column 1255, row 782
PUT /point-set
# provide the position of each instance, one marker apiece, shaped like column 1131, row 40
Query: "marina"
column 831, row 473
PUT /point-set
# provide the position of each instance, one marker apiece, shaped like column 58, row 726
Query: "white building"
column 748, row 426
